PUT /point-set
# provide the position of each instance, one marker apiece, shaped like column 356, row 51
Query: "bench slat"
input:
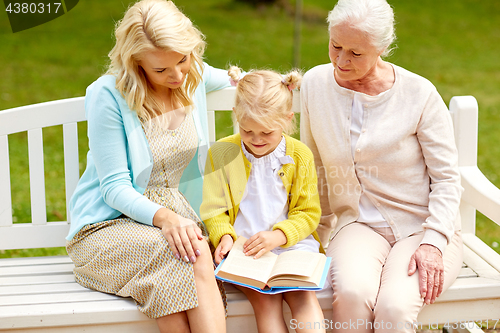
column 471, row 289
column 116, row 310
column 464, row 111
column 480, row 192
column 467, row 273
column 5, row 194
column 30, row 236
column 221, row 99
column 34, row 289
column 30, row 261
column 482, row 250
column 37, row 177
column 459, row 311
column 35, row 279
column 88, row 326
column 478, row 264
column 42, row 115
column 65, row 298
column 71, row 161
column 36, row 270
column 211, row 126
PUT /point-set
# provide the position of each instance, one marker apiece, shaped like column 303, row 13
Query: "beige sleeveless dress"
column 127, row 258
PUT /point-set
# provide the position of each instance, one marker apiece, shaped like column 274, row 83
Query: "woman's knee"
column 355, row 294
column 399, row 300
column 204, row 266
column 400, row 315
column 174, row 323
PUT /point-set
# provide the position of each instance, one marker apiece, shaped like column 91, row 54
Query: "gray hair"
column 373, row 17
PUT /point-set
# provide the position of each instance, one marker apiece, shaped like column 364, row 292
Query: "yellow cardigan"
column 226, row 175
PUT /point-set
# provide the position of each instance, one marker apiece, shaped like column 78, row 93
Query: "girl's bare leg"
column 268, row 311
column 306, row 311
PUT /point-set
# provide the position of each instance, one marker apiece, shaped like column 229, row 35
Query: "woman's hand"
column 225, row 245
column 262, row 242
column 180, row 233
column 429, row 261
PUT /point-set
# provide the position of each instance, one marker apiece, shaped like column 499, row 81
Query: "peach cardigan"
column 405, row 159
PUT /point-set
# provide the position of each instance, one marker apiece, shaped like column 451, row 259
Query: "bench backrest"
column 68, row 112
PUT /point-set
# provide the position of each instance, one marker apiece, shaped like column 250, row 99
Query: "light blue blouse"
column 119, row 161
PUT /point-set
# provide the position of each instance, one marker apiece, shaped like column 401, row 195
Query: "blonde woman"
column 135, row 230
column 266, row 192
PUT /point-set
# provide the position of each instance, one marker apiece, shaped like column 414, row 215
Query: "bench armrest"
column 480, row 192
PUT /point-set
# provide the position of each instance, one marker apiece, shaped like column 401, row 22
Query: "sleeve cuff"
column 292, row 236
column 215, row 232
column 435, row 238
column 147, row 212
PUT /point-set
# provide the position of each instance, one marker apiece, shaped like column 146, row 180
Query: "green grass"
column 453, row 44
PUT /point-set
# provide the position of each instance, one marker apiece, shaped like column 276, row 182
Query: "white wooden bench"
column 39, row 294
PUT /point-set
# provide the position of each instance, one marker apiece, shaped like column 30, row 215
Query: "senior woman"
column 389, row 183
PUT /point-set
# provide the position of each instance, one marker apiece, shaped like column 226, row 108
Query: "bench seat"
column 40, row 294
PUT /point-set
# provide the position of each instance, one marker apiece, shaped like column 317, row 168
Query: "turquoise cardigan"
column 119, row 161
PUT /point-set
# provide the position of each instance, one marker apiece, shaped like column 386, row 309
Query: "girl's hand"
column 262, row 242
column 180, row 232
column 225, row 245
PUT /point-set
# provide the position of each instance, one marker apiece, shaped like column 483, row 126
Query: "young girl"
column 261, row 184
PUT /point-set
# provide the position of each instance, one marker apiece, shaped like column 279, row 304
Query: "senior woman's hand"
column 181, row 233
column 429, row 262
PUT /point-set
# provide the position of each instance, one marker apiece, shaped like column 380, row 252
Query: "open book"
column 271, row 273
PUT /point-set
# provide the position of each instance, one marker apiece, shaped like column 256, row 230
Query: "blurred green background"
column 455, row 44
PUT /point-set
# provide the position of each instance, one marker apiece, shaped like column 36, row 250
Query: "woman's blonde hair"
column 152, row 25
column 265, row 97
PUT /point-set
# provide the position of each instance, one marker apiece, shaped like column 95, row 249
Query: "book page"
column 295, row 262
column 237, row 263
column 314, row 280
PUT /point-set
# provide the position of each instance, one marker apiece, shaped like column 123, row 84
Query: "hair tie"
column 290, row 86
column 234, row 71
column 234, row 83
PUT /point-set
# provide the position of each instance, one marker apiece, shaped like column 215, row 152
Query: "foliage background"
column 455, row 44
